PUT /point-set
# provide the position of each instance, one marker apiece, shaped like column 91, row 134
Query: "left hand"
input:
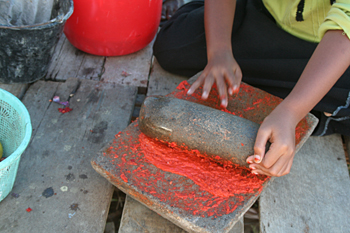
column 279, row 129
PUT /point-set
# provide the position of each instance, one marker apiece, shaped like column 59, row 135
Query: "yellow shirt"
column 318, row 17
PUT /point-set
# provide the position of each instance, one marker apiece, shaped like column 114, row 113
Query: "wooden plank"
column 314, row 197
column 132, row 69
column 17, row 89
column 162, row 82
column 58, row 158
column 37, row 100
column 69, row 62
column 136, row 217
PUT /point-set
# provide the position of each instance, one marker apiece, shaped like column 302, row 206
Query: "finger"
column 220, row 82
column 208, row 83
column 280, row 168
column 275, row 151
column 286, row 169
column 277, row 172
column 262, row 138
column 163, row 16
column 229, row 77
column 196, row 84
column 238, row 77
column 169, row 12
column 253, row 159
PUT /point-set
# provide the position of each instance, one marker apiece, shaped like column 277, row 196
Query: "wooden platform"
column 313, row 198
column 55, row 178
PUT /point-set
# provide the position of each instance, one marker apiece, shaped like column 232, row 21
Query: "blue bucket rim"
column 50, row 23
column 28, row 131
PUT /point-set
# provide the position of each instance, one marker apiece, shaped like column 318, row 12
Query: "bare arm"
column 329, row 61
column 221, row 67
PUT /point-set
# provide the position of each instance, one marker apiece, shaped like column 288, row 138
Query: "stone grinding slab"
column 178, row 198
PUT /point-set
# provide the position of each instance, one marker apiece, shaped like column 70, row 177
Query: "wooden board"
column 59, row 155
column 162, row 82
column 314, row 197
column 69, row 62
column 17, row 89
column 132, row 69
column 137, row 218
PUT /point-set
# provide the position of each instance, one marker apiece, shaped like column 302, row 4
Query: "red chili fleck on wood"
column 64, row 110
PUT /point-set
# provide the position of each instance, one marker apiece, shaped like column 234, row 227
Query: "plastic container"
column 26, row 43
column 113, row 27
column 15, row 134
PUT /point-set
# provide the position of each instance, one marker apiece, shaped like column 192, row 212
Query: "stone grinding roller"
column 219, row 135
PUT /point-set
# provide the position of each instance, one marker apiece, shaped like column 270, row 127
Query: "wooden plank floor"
column 314, row 197
column 132, row 70
column 69, row 62
column 57, row 160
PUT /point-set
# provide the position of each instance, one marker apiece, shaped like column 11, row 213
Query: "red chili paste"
column 188, row 182
column 219, row 180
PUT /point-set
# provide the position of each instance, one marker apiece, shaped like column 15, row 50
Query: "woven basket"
column 15, row 134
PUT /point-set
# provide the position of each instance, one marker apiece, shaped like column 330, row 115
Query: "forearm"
column 329, row 61
column 218, row 19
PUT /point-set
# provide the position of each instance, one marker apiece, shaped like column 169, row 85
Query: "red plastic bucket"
column 113, row 27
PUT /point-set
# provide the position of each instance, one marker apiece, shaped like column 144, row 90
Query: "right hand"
column 222, row 68
column 279, row 129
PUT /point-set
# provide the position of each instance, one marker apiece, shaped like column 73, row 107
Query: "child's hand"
column 279, row 129
column 221, row 68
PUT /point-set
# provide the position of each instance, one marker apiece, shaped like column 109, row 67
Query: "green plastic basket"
column 15, row 134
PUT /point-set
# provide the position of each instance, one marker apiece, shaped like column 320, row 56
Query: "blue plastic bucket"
column 15, row 134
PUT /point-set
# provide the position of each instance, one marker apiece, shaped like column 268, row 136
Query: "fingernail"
column 230, row 91
column 224, row 102
column 189, row 92
column 257, row 158
column 205, row 95
column 252, row 167
column 255, row 173
column 249, row 161
column 234, row 89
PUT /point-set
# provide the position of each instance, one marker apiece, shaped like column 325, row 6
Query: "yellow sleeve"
column 338, row 18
